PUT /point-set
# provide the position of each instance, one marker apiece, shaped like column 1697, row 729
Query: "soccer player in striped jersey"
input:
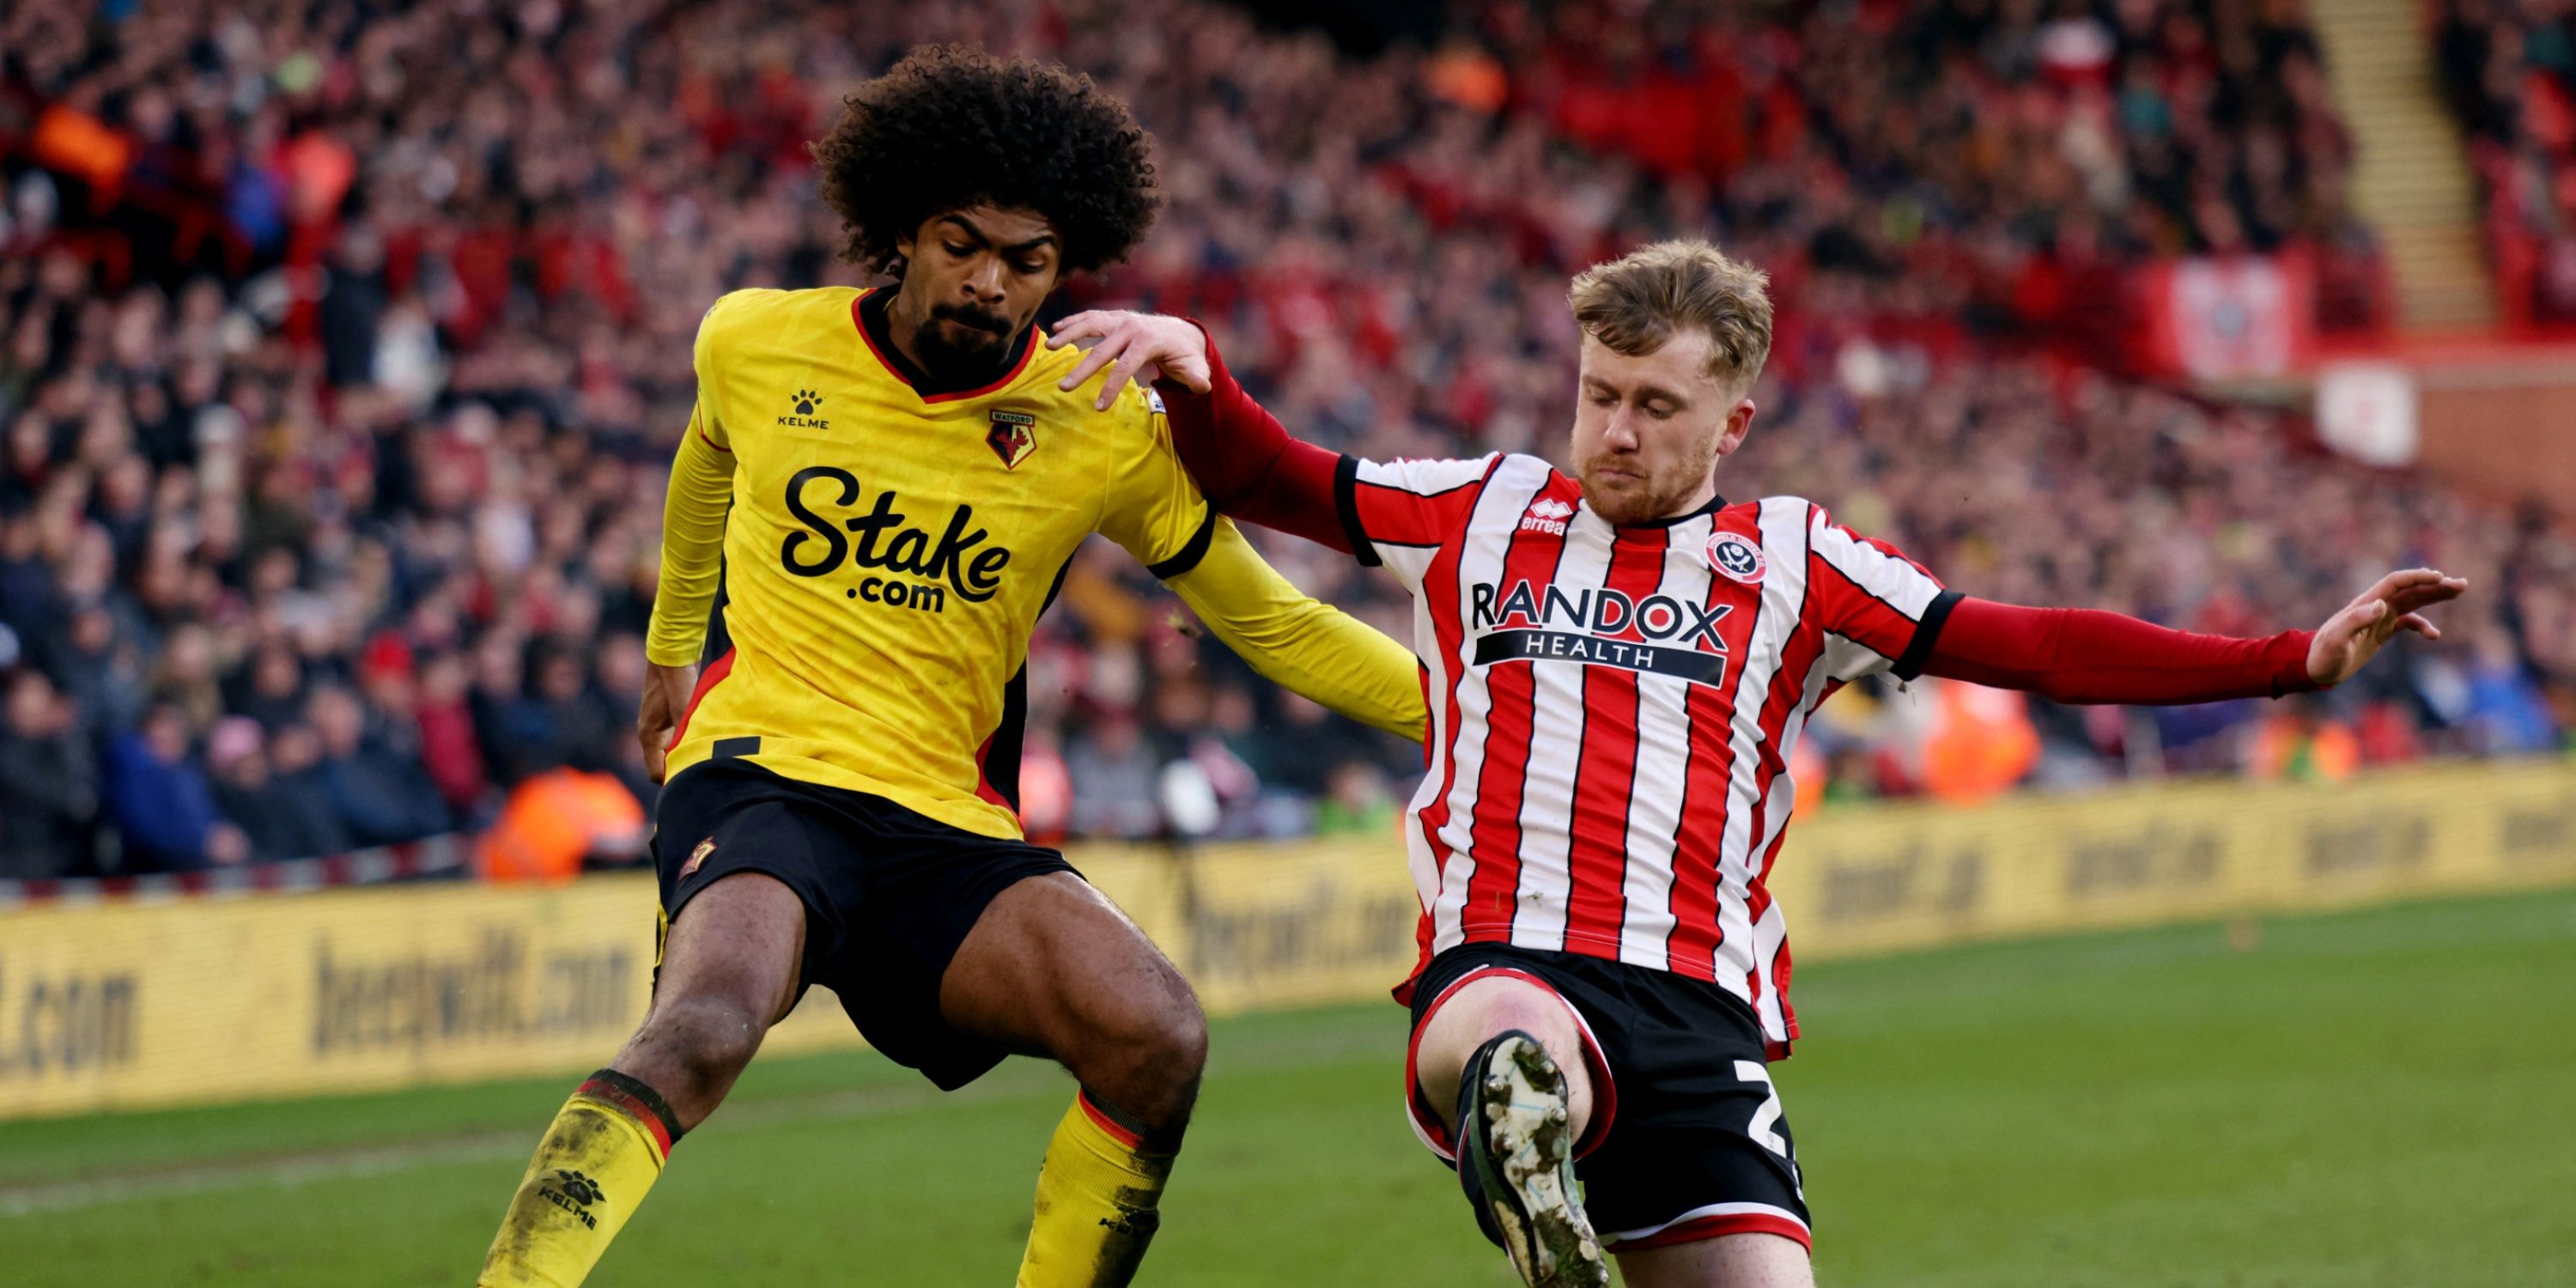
column 1620, row 661
column 889, row 485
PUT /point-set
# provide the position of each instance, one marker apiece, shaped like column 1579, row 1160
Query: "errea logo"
column 1548, row 515
column 801, row 407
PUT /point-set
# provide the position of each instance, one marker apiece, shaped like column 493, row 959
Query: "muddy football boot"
column 1516, row 1163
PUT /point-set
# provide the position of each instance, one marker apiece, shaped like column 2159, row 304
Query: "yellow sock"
column 1096, row 1203
column 592, row 1168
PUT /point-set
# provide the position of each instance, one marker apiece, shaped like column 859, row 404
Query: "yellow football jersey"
column 888, row 551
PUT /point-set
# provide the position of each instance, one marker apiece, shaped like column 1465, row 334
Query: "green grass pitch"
column 2376, row 1098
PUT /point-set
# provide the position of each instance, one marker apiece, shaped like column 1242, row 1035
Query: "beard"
column 1623, row 488
column 962, row 345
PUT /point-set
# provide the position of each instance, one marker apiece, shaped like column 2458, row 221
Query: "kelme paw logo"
column 579, row 1188
column 806, row 401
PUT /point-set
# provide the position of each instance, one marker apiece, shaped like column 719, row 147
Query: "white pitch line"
column 381, row 1160
column 1009, row 1083
column 300, row 1170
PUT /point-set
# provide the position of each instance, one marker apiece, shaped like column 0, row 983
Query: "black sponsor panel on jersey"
column 1600, row 611
column 1680, row 663
column 880, row 538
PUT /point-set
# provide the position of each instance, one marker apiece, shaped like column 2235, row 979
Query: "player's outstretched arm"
column 1243, row 458
column 693, row 523
column 2080, row 655
column 1294, row 640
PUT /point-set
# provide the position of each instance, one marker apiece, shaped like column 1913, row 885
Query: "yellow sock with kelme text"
column 604, row 1150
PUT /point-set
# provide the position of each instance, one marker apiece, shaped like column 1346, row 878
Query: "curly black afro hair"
column 948, row 128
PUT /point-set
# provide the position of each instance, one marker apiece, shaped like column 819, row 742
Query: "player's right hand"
column 666, row 695
column 2350, row 637
column 1134, row 346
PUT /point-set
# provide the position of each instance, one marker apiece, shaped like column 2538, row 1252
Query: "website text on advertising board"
column 496, row 989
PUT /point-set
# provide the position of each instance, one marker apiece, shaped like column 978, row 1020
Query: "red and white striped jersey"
column 1613, row 709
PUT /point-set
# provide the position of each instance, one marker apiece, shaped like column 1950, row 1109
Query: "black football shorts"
column 889, row 894
column 1686, row 1140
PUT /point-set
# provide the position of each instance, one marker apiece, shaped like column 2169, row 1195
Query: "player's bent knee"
column 1161, row 1026
column 701, row 1043
column 1180, row 1043
column 1149, row 1066
column 1531, row 1010
column 1170, row 1048
column 1485, row 1007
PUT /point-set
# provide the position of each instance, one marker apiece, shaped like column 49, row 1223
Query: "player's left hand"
column 666, row 696
column 2349, row 638
column 1143, row 347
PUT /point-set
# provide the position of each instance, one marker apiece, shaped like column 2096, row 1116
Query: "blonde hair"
column 1634, row 305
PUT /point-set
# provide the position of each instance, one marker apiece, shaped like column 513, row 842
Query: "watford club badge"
column 697, row 856
column 1014, row 436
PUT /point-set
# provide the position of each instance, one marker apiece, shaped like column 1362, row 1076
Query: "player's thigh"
column 1728, row 1261
column 743, row 861
column 1482, row 1007
column 738, row 941
column 1699, row 1150
column 728, row 971
column 1053, row 968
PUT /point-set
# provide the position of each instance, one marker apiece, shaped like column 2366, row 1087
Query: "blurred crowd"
column 2509, row 69
column 1992, row 161
column 342, row 347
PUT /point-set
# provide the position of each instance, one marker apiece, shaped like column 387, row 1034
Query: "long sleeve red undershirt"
column 1251, row 468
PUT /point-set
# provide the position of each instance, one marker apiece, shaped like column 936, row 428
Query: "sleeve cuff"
column 672, row 656
column 1218, row 376
column 1191, row 551
column 1346, row 502
column 2290, row 664
column 1927, row 633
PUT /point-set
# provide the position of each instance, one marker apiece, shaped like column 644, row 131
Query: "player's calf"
column 728, row 972
column 1138, row 1055
column 1054, row 968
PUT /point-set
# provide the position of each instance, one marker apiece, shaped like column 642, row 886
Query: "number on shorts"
column 1769, row 1114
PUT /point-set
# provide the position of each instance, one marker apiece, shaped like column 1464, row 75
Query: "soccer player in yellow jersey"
column 889, row 484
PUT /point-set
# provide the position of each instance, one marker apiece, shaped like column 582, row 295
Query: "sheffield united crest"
column 1736, row 557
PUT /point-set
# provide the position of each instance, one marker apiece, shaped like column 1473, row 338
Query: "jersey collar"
column 868, row 313
column 1715, row 503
